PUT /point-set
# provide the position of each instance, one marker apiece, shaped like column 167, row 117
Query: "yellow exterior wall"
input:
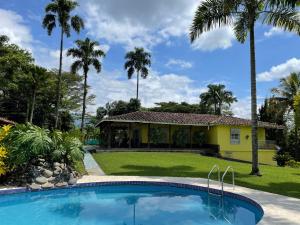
column 243, row 151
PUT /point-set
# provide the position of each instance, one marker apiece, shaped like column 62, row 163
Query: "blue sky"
column 180, row 71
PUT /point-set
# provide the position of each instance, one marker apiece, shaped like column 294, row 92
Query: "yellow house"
column 228, row 137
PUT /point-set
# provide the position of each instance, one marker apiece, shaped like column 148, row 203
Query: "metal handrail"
column 233, row 184
column 210, row 172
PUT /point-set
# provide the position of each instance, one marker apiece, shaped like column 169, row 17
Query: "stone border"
column 9, row 191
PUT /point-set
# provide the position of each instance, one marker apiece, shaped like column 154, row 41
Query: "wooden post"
column 170, row 137
column 191, row 137
column 109, row 136
column 129, row 135
column 149, row 135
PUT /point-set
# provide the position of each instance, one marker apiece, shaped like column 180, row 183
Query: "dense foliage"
column 26, row 91
column 25, row 143
column 181, row 137
column 3, row 151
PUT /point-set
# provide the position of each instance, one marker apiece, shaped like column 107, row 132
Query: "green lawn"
column 285, row 181
column 79, row 167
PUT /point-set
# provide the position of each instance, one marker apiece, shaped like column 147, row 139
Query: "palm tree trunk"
column 255, row 168
column 27, row 111
column 84, row 100
column 58, row 90
column 137, row 84
column 32, row 105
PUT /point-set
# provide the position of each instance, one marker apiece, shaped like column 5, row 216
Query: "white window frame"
column 235, row 136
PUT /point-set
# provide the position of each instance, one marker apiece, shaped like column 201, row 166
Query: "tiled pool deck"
column 278, row 210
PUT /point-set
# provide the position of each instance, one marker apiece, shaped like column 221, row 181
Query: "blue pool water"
column 125, row 205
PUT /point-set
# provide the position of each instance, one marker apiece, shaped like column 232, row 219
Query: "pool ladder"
column 221, row 182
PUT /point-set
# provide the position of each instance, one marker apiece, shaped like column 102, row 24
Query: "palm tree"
column 217, row 97
column 38, row 77
column 58, row 12
column 87, row 54
column 289, row 87
column 137, row 61
column 243, row 15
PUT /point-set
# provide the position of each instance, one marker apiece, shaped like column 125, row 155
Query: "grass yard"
column 284, row 181
column 79, row 167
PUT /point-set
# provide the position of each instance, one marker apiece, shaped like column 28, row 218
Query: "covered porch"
column 155, row 136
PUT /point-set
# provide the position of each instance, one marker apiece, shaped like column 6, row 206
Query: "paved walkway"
column 91, row 166
column 278, row 209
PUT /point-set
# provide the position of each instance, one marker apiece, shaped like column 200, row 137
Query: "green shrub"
column 293, row 163
column 157, row 135
column 181, row 137
column 26, row 142
column 199, row 138
column 282, row 158
column 67, row 148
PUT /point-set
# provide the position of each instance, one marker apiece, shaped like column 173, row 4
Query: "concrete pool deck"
column 278, row 209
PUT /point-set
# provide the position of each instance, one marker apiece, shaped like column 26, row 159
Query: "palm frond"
column 286, row 18
column 241, row 26
column 77, row 23
column 212, row 14
column 130, row 72
column 77, row 65
column 49, row 22
column 51, row 7
column 97, row 65
column 98, row 53
column 144, row 72
column 75, row 53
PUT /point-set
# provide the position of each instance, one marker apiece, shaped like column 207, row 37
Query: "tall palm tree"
column 217, row 96
column 243, row 15
column 289, row 87
column 137, row 61
column 58, row 12
column 87, row 54
column 38, row 77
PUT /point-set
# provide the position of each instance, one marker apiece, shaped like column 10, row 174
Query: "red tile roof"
column 185, row 119
column 4, row 121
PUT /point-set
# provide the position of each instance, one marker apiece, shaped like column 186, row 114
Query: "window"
column 235, row 136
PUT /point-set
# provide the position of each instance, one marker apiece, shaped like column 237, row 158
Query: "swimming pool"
column 127, row 204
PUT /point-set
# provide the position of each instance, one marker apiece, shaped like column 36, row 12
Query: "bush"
column 26, row 143
column 3, row 151
column 181, row 137
column 199, row 138
column 292, row 163
column 282, row 158
column 157, row 135
column 67, row 148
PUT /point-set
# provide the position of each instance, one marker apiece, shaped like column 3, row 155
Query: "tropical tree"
column 137, row 61
column 38, row 77
column 243, row 15
column 218, row 97
column 289, row 87
column 58, row 12
column 87, row 54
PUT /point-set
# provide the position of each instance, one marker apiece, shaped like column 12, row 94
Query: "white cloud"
column 242, row 108
column 273, row 31
column 280, row 71
column 218, row 38
column 146, row 23
column 114, row 85
column 179, row 63
column 12, row 25
column 138, row 23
